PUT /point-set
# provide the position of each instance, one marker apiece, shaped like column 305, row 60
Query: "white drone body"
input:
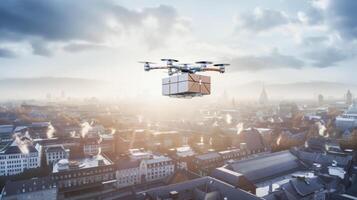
column 183, row 82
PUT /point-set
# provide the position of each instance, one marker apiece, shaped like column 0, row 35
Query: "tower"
column 349, row 98
column 263, row 99
column 320, row 99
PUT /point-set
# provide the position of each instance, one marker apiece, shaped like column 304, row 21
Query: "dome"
column 63, row 162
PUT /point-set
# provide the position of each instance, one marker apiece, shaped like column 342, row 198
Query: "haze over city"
column 178, row 100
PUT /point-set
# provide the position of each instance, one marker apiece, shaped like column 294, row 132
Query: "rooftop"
column 128, row 164
column 200, row 189
column 297, row 188
column 75, row 164
column 29, row 185
column 208, row 156
column 55, row 148
column 6, row 129
column 266, row 166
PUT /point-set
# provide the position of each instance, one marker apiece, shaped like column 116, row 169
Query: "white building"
column 55, row 153
column 348, row 120
column 157, row 168
column 17, row 157
column 146, row 170
column 128, row 173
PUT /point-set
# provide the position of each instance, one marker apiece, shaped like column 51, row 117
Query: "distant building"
column 55, row 153
column 249, row 140
column 320, row 99
column 203, row 164
column 263, row 98
column 349, row 98
column 287, row 109
column 40, row 129
column 348, row 120
column 231, row 154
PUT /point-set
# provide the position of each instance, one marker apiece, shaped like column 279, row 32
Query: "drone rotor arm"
column 159, row 68
column 211, row 69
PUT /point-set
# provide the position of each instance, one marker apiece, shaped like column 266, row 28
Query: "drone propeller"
column 204, row 62
column 146, row 62
column 221, row 64
column 169, row 60
column 185, row 64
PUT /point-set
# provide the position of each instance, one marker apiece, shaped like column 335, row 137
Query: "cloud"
column 262, row 19
column 338, row 15
column 78, row 47
column 6, row 53
column 342, row 15
column 92, row 21
column 40, row 48
column 312, row 41
column 275, row 60
column 327, row 57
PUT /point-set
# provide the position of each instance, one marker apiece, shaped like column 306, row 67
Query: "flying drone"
column 183, row 82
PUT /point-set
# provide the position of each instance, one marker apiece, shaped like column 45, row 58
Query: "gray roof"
column 307, row 186
column 297, row 188
column 6, row 129
column 227, row 175
column 266, row 166
column 201, row 188
column 208, row 156
column 127, row 164
column 17, row 150
column 324, row 159
column 56, row 148
column 29, row 185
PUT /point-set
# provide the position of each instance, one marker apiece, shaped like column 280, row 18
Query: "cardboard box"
column 166, row 80
column 166, row 89
column 186, row 85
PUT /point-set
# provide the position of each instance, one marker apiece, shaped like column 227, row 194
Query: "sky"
column 271, row 41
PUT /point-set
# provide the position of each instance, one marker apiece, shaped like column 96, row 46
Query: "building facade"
column 15, row 159
column 146, row 170
column 56, row 153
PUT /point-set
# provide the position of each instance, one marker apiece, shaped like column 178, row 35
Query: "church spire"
column 263, row 99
